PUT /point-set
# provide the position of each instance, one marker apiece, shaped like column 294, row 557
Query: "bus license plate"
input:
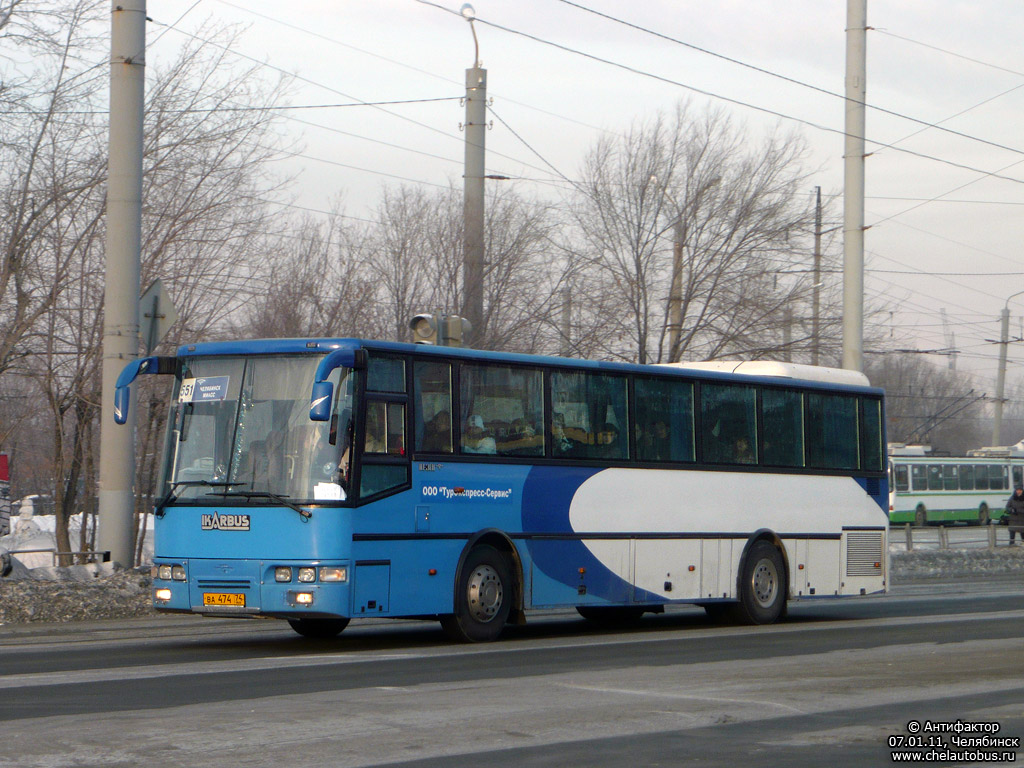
column 224, row 598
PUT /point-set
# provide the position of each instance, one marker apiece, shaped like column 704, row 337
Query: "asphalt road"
column 830, row 685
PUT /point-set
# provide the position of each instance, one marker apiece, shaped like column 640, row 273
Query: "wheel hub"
column 765, row 583
column 485, row 593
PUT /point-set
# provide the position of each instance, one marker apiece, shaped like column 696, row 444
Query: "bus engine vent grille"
column 863, row 553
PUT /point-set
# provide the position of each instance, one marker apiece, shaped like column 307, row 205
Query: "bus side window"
column 432, row 395
column 729, row 418
column 1018, row 476
column 664, row 419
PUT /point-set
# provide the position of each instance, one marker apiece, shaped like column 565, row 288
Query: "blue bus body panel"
column 274, row 533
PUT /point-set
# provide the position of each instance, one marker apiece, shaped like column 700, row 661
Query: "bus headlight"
column 178, row 573
column 164, row 572
column 307, row 574
column 334, row 574
column 282, row 573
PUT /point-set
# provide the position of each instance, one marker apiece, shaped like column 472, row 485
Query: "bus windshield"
column 241, row 425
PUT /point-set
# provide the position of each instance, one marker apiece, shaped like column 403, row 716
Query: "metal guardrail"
column 939, row 536
column 103, row 555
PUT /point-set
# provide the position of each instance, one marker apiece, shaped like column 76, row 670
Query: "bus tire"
column 319, row 629
column 983, row 515
column 921, row 516
column 484, row 595
column 611, row 615
column 762, row 587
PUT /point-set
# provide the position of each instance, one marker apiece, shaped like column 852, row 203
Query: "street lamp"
column 997, row 422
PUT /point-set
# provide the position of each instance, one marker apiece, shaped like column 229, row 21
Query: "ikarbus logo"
column 219, row 522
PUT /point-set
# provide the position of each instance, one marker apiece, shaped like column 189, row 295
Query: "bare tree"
column 690, row 235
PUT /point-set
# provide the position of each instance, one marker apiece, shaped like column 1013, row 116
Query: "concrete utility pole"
column 853, row 197
column 816, row 300
column 121, row 297
column 473, row 186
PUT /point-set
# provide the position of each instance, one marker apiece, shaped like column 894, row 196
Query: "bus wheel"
column 983, row 516
column 762, row 585
column 921, row 515
column 610, row 615
column 319, row 629
column 483, row 597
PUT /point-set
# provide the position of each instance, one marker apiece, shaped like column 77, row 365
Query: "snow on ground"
column 38, row 532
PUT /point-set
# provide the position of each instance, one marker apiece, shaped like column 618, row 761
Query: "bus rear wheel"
column 319, row 629
column 983, row 515
column 921, row 516
column 762, row 586
column 483, row 597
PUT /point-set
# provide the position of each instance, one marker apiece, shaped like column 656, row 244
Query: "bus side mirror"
column 320, row 404
column 122, row 391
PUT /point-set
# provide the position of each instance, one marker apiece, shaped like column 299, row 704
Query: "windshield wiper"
column 305, row 513
column 171, row 494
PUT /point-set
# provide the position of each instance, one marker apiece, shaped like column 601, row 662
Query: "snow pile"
column 33, row 540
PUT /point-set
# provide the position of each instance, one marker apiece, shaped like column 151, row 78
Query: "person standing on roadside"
column 1015, row 514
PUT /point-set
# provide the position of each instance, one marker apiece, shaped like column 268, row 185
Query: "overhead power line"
column 727, row 99
column 788, row 79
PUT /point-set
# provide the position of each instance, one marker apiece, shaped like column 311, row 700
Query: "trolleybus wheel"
column 610, row 615
column 483, row 597
column 762, row 585
column 983, row 516
column 921, row 515
column 319, row 629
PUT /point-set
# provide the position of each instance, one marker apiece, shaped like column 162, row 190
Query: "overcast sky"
column 954, row 62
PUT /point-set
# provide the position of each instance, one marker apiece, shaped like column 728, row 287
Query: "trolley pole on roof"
column 473, row 188
column 121, row 296
column 853, row 197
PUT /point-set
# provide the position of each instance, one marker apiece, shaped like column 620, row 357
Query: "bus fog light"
column 307, row 574
column 164, row 572
column 301, row 598
column 162, row 595
column 334, row 574
column 178, row 572
column 282, row 573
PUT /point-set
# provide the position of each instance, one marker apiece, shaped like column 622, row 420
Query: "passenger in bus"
column 437, row 433
column 566, row 439
column 476, row 439
column 607, row 442
column 375, row 439
column 523, row 439
column 1015, row 514
column 656, row 443
column 743, row 453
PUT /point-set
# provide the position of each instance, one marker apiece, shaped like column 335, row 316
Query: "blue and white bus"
column 323, row 480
